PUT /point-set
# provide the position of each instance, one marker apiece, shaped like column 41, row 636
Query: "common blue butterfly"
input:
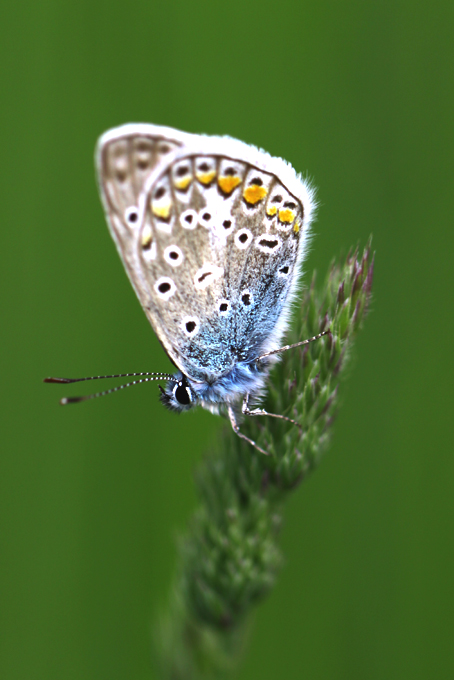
column 212, row 233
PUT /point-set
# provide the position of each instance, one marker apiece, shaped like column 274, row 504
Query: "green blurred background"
column 357, row 94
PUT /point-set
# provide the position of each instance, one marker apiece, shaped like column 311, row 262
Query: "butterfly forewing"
column 126, row 157
column 126, row 163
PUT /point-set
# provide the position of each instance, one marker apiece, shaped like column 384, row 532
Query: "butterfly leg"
column 236, row 429
column 261, row 412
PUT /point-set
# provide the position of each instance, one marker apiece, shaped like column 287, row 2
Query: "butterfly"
column 212, row 233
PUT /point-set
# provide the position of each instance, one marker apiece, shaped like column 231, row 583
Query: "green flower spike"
column 230, row 558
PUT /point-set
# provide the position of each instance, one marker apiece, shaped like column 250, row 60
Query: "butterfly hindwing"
column 214, row 244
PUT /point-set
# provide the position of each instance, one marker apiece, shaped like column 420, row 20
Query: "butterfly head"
column 178, row 394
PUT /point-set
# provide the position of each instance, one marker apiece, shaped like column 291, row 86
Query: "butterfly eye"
column 182, row 394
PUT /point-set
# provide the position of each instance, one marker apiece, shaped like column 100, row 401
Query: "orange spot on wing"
column 228, row 183
column 254, row 193
column 183, row 183
column 162, row 211
column 206, row 177
column 286, row 215
column 147, row 237
column 271, row 210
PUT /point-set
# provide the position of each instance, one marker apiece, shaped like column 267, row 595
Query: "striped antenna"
column 75, row 400
column 164, row 376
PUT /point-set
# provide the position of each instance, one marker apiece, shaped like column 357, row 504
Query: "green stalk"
column 230, row 557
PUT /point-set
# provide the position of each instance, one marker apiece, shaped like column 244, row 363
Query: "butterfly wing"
column 125, row 159
column 212, row 235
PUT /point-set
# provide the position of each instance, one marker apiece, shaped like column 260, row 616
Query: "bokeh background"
column 360, row 96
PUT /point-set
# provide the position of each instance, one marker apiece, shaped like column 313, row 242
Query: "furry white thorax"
column 244, row 378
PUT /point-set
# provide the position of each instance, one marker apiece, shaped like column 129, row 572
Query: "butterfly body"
column 212, row 233
column 230, row 388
